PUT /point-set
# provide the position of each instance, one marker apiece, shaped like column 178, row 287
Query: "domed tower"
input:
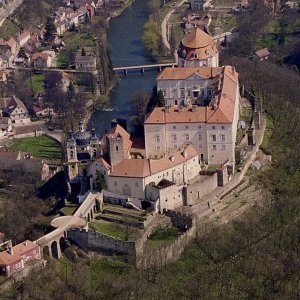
column 72, row 162
column 198, row 49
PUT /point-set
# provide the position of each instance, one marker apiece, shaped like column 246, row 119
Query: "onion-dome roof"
column 197, row 39
column 82, row 138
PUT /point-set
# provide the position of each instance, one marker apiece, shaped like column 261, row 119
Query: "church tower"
column 94, row 145
column 72, row 162
column 116, row 148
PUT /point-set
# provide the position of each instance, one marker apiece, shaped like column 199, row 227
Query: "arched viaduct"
column 52, row 243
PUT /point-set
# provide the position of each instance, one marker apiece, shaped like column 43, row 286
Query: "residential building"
column 10, row 45
column 15, row 257
column 200, row 4
column 6, row 127
column 15, row 109
column 16, row 164
column 85, row 63
column 262, row 54
column 198, row 49
column 192, row 21
column 210, row 129
column 41, row 60
column 23, row 38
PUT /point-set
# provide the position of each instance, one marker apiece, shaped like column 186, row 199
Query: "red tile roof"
column 220, row 110
column 141, row 168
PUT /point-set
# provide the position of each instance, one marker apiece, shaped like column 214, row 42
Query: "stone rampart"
column 159, row 257
column 96, row 241
column 200, row 188
column 181, row 221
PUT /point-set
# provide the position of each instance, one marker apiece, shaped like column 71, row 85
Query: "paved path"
column 10, row 7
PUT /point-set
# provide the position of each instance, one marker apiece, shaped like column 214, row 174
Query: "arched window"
column 117, row 148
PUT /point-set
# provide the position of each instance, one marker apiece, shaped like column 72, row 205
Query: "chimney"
column 10, row 248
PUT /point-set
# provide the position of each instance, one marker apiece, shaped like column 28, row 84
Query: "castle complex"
column 196, row 127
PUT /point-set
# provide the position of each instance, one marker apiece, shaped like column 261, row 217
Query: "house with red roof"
column 41, row 60
column 23, row 38
column 14, row 258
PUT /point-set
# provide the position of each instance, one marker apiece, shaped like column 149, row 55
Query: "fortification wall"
column 96, row 241
column 197, row 190
column 181, row 221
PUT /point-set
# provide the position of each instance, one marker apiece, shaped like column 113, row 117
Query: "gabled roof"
column 220, row 109
column 41, row 55
column 197, row 39
column 141, row 168
column 184, row 73
column 263, row 53
column 120, row 131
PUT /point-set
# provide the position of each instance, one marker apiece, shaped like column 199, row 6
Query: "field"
column 115, row 230
column 36, row 83
column 42, row 147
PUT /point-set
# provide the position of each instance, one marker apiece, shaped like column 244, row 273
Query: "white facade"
column 191, row 90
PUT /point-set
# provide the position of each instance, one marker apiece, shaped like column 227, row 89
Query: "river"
column 125, row 37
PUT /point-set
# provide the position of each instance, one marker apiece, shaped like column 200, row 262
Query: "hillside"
column 31, row 14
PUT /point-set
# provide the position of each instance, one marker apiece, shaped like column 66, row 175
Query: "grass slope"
column 42, row 147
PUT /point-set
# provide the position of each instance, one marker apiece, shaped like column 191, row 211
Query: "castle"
column 196, row 128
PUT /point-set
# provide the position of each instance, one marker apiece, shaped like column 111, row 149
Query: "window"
column 223, row 127
column 115, row 183
column 157, row 147
column 186, row 126
column 175, row 92
column 214, row 147
column 200, row 146
column 174, row 127
column 174, row 138
column 200, row 137
column 157, row 138
column 187, row 137
column 209, row 92
column 213, row 127
column 164, row 92
column 223, row 147
column 175, row 146
column 136, row 184
column 117, row 148
column 214, row 138
column 223, row 138
column 199, row 126
column 182, row 92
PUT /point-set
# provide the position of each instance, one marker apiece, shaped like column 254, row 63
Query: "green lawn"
column 162, row 237
column 111, row 229
column 36, row 83
column 42, row 146
column 68, row 210
column 8, row 29
column 3, row 197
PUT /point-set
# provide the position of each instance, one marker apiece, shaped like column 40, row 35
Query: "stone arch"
column 92, row 214
column 88, row 217
column 62, row 244
column 46, row 252
column 54, row 249
column 126, row 190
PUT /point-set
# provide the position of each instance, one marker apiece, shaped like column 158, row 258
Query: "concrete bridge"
column 52, row 243
column 143, row 67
